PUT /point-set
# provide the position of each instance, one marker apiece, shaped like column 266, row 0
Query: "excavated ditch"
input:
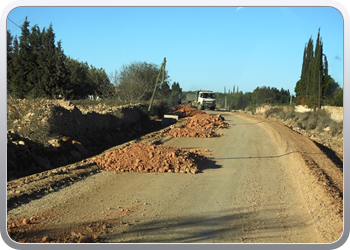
column 131, row 156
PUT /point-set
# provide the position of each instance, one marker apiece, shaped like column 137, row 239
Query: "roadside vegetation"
column 37, row 67
column 318, row 120
column 38, row 71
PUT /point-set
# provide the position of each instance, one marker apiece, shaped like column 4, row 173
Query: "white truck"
column 202, row 100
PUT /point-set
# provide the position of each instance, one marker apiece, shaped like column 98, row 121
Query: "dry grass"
column 318, row 120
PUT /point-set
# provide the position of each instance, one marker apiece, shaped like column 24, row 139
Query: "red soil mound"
column 151, row 158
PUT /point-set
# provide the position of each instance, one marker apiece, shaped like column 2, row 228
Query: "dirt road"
column 255, row 187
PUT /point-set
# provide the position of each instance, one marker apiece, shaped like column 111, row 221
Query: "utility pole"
column 162, row 69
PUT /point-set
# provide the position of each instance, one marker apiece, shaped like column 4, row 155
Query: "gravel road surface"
column 255, row 187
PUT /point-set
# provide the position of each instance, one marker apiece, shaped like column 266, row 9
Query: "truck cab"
column 206, row 99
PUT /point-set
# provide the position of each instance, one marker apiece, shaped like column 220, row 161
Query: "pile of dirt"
column 200, row 125
column 151, row 158
column 184, row 111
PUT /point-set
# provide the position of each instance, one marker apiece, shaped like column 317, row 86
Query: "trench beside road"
column 248, row 191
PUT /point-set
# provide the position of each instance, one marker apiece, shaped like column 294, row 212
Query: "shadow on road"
column 249, row 123
column 208, row 164
column 266, row 157
column 225, row 226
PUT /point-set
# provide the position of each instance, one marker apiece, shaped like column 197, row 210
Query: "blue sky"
column 205, row 47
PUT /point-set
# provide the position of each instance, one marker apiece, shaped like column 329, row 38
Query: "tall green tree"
column 36, row 59
column 12, row 67
column 21, row 83
column 38, row 67
column 10, row 59
column 78, row 81
column 338, row 97
column 314, row 80
column 100, row 83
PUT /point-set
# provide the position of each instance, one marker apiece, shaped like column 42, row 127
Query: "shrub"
column 311, row 123
column 290, row 115
column 281, row 114
column 299, row 124
column 272, row 111
column 304, row 116
column 336, row 128
column 323, row 122
column 323, row 119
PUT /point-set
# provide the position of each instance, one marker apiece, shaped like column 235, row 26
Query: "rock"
column 45, row 238
column 55, row 142
column 84, row 239
column 74, row 234
column 65, row 138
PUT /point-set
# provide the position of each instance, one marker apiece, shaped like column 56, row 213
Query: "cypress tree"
column 21, row 84
column 36, row 57
column 61, row 74
column 48, row 82
column 313, row 81
column 10, row 51
column 11, row 70
column 308, row 73
column 318, row 67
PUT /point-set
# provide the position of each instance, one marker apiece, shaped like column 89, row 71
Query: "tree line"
column 314, row 89
column 237, row 100
column 37, row 67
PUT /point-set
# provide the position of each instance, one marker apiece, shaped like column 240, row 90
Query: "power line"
column 14, row 23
